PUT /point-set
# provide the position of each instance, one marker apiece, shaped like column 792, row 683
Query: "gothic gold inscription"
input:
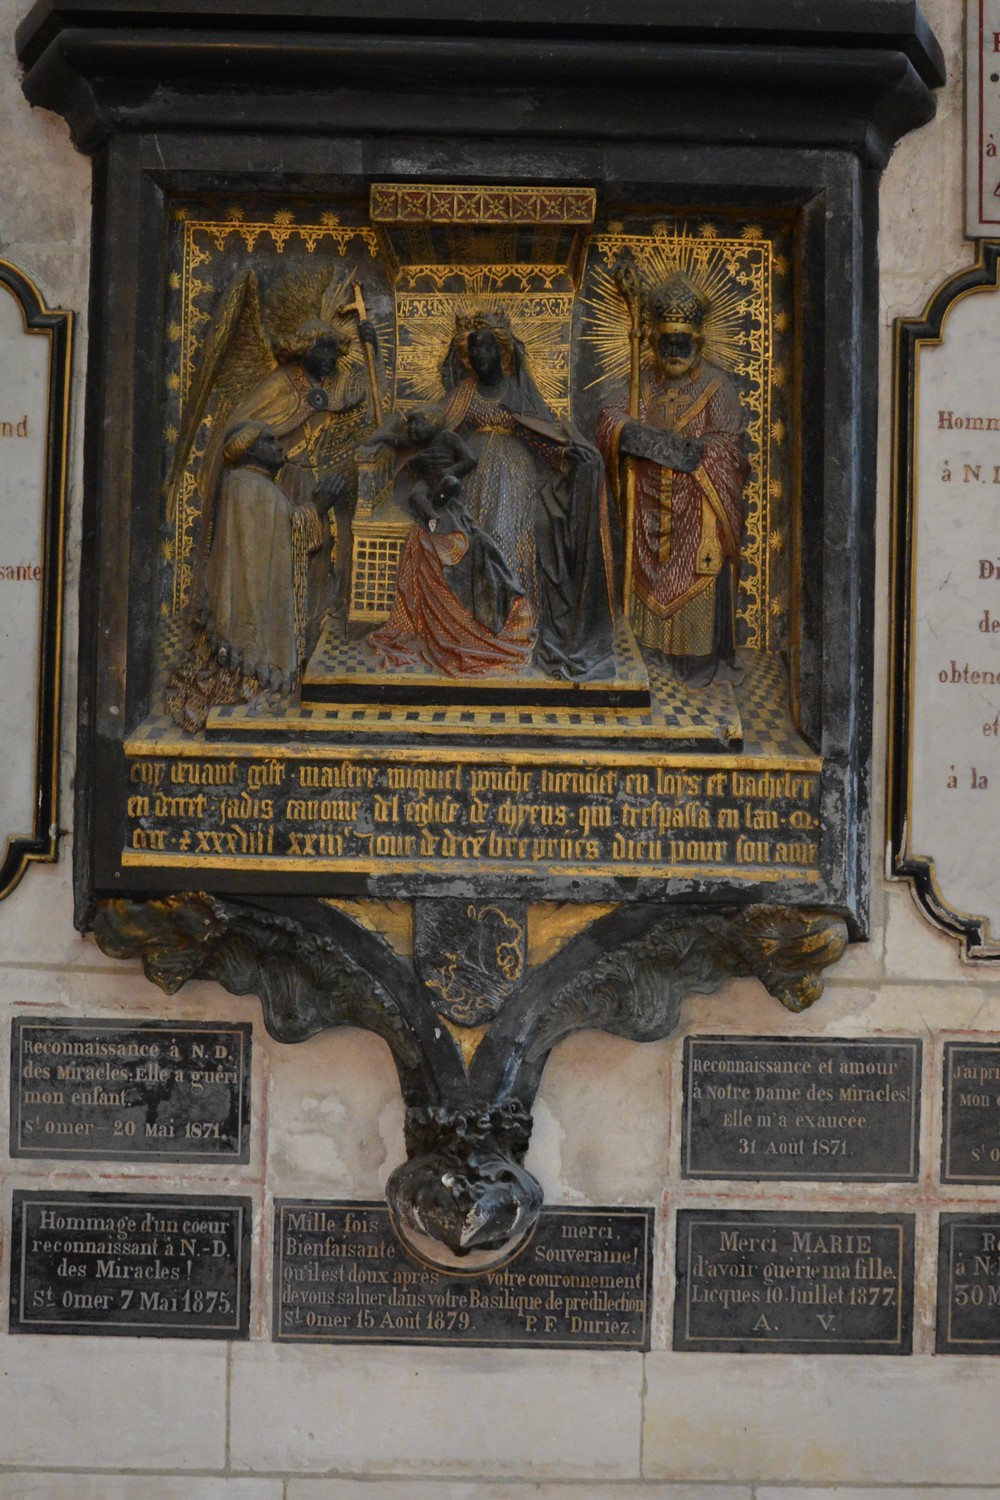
column 352, row 813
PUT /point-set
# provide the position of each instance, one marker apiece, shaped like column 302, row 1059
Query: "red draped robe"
column 430, row 624
column 685, row 526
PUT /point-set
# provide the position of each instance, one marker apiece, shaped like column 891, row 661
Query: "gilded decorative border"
column 432, row 203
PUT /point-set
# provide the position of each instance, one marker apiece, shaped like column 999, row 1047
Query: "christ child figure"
column 429, row 451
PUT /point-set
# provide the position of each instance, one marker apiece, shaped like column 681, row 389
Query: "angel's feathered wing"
column 235, row 356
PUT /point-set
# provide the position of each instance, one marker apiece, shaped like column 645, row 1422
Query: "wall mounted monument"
column 480, row 491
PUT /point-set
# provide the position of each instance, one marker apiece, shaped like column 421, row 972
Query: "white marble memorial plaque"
column 946, row 761
column 34, row 363
column 982, row 117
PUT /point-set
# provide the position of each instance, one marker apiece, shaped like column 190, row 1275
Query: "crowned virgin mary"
column 538, row 491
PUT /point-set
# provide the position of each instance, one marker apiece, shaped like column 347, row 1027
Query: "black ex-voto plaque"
column 581, row 1282
column 968, row 1298
column 822, row 1107
column 785, row 1283
column 116, row 1090
column 161, row 1266
column 970, row 1137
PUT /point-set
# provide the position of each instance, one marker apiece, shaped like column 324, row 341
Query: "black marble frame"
column 746, row 108
column 803, row 126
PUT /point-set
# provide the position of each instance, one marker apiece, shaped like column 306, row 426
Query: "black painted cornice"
column 843, row 74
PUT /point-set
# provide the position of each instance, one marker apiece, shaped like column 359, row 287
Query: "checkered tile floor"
column 762, row 697
column 336, row 661
column 755, row 708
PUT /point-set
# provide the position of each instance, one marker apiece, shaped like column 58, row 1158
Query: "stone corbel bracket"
column 469, row 1089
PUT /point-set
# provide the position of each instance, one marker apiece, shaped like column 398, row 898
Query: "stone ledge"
column 406, row 1489
column 52, row 1486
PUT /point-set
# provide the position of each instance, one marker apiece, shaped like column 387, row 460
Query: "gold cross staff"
column 362, row 312
column 626, row 278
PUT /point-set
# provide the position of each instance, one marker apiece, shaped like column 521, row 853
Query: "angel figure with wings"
column 288, row 367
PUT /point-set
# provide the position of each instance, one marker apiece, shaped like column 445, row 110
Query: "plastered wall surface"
column 150, row 1419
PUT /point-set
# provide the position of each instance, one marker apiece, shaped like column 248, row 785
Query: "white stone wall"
column 149, row 1419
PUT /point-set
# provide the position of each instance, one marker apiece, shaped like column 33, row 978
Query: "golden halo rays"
column 429, row 321
column 706, row 263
